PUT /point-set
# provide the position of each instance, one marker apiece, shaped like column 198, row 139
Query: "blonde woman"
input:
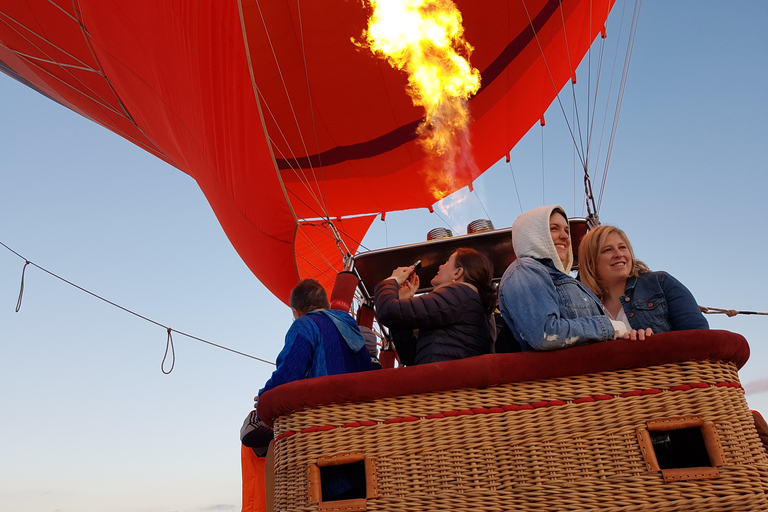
column 630, row 292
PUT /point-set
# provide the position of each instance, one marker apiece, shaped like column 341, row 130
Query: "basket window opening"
column 683, row 448
column 343, row 481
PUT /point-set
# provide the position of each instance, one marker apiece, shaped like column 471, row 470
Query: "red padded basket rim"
column 495, row 369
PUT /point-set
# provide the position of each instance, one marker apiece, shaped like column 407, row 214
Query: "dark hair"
column 478, row 271
column 309, row 295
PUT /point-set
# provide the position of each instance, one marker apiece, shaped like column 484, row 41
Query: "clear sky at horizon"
column 90, row 422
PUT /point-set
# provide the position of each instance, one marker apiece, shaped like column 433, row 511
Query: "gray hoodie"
column 531, row 237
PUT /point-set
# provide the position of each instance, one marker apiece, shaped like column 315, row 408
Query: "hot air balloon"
column 297, row 137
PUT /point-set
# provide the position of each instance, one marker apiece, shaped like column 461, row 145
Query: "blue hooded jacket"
column 322, row 342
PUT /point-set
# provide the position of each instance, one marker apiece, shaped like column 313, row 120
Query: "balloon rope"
column 620, row 98
column 168, row 343
column 577, row 120
column 729, row 312
column 317, row 195
column 21, row 290
column 517, row 191
column 551, row 78
column 127, row 310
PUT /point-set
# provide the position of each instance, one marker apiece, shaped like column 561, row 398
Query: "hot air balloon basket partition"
column 666, row 436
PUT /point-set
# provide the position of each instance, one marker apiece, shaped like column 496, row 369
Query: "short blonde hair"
column 589, row 252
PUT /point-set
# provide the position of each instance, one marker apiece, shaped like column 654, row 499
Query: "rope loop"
column 729, row 312
column 168, row 343
column 21, row 290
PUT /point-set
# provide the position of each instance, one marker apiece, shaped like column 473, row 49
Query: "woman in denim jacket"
column 630, row 292
column 546, row 308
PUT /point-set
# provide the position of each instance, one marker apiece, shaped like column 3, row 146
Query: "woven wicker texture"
column 571, row 444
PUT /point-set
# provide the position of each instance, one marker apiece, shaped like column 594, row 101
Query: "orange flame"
column 425, row 38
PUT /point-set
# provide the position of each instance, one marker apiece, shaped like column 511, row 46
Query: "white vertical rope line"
column 591, row 129
column 289, row 152
column 323, row 258
column 543, row 194
column 551, row 78
column 287, row 156
column 589, row 86
column 592, row 113
column 292, row 108
column 314, row 187
column 577, row 122
column 290, row 195
column 625, row 73
column 514, row 181
column 610, row 87
column 573, row 163
column 487, row 215
column 32, row 61
column 312, row 114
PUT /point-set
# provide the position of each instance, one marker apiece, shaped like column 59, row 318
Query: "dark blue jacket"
column 661, row 302
column 451, row 322
column 322, row 342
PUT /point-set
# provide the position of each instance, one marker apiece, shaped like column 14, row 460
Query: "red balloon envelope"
column 283, row 122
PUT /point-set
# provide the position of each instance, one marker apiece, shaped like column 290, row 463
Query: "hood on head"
column 531, row 237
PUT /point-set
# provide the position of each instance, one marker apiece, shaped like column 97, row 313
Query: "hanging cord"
column 447, row 224
column 517, row 192
column 593, row 219
column 21, row 290
column 487, row 216
column 126, row 310
column 729, row 312
column 576, row 144
column 317, row 193
column 543, row 189
column 577, row 120
column 168, row 343
column 608, row 95
column 620, row 98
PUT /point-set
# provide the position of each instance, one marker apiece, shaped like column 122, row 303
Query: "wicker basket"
column 577, row 442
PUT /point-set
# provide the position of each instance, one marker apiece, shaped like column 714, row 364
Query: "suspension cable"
column 729, row 312
column 318, row 195
column 514, row 181
column 168, row 329
column 622, row 87
column 305, row 180
column 554, row 85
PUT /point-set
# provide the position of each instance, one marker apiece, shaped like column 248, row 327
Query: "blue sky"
column 90, row 423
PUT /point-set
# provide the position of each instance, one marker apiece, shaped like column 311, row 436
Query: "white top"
column 621, row 317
